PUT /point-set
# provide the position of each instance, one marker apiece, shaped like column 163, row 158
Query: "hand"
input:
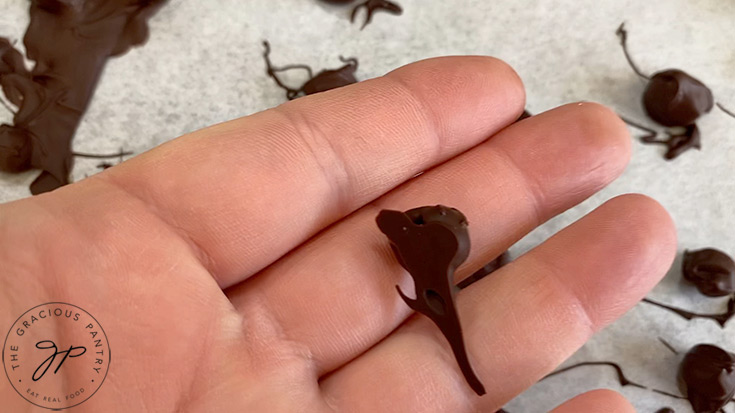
column 239, row 268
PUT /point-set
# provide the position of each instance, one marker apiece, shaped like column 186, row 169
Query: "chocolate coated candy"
column 674, row 98
column 711, row 270
column 430, row 243
column 707, row 377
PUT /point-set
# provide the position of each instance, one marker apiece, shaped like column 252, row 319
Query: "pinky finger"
column 597, row 401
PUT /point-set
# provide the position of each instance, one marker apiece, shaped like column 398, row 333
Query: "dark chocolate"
column 70, row 41
column 371, row 6
column 487, row 269
column 672, row 98
column 721, row 319
column 707, row 377
column 624, row 381
column 711, row 271
column 323, row 81
column 430, row 243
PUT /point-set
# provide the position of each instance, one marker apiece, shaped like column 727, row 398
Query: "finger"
column 336, row 295
column 247, row 191
column 521, row 322
column 597, row 401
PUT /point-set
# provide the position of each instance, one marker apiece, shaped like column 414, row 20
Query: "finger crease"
column 197, row 250
column 327, row 156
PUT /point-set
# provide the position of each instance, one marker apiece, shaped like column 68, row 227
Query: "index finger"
column 245, row 192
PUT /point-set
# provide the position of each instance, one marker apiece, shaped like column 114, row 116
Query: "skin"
column 239, row 268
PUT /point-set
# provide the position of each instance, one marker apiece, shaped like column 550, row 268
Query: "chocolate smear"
column 70, row 41
column 430, row 243
column 711, row 271
column 707, row 377
column 721, row 319
column 323, row 81
column 487, row 269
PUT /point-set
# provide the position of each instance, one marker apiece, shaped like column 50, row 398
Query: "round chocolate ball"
column 707, row 377
column 711, row 271
column 674, row 98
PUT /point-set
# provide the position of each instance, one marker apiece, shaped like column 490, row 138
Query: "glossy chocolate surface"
column 675, row 98
column 707, row 377
column 70, row 41
column 711, row 270
column 430, row 243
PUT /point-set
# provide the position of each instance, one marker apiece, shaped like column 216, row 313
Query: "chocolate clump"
column 70, row 42
column 323, row 81
column 430, row 243
column 711, row 271
column 707, row 377
column 674, row 98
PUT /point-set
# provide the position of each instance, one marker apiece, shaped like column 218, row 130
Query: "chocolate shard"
column 711, row 271
column 430, row 243
column 707, row 377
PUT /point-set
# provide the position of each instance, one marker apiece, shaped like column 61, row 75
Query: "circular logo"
column 56, row 355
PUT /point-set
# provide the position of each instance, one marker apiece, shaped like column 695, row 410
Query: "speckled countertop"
column 203, row 65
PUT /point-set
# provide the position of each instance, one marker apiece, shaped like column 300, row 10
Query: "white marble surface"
column 203, row 65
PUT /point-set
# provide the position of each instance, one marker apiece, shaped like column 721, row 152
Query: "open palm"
column 239, row 268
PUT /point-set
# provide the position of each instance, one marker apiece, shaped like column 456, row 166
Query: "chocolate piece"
column 672, row 98
column 665, row 410
column 707, row 377
column 721, row 319
column 488, row 268
column 430, row 243
column 711, row 270
column 678, row 144
column 621, row 377
column 323, row 81
column 371, row 6
column 69, row 40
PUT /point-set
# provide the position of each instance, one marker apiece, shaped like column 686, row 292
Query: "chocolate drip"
column 323, row 81
column 487, row 269
column 70, row 41
column 430, row 243
column 621, row 377
column 721, row 319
